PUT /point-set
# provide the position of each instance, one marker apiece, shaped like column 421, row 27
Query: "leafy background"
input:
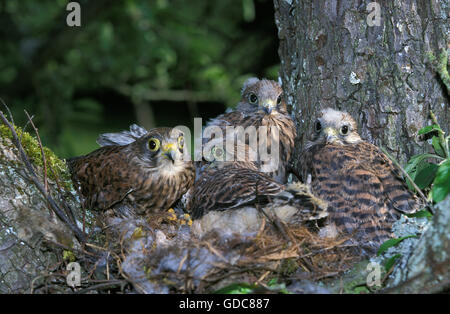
column 157, row 63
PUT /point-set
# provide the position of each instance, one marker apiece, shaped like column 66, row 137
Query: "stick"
column 68, row 209
column 103, row 286
column 41, row 148
column 34, row 178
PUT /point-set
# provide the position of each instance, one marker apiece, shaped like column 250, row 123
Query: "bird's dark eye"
column 153, row 144
column 344, row 130
column 318, row 126
column 252, row 98
column 279, row 99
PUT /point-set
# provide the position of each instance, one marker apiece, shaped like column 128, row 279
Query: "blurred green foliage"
column 80, row 81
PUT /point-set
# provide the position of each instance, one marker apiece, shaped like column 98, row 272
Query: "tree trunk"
column 381, row 75
column 27, row 228
column 427, row 269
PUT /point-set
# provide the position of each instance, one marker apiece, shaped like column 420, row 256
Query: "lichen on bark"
column 57, row 167
column 27, row 226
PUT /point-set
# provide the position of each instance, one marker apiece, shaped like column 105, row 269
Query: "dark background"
column 156, row 63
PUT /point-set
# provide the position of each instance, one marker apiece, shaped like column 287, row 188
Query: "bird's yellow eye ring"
column 153, row 144
column 217, row 153
column 344, row 130
column 181, row 141
column 252, row 98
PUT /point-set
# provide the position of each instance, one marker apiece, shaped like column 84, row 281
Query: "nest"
column 170, row 260
column 159, row 254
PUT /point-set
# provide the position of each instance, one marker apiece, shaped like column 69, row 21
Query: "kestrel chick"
column 149, row 174
column 363, row 188
column 262, row 104
column 233, row 197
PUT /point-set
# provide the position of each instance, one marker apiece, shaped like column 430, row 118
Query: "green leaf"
column 426, row 175
column 236, row 288
column 437, row 146
column 392, row 242
column 416, row 159
column 272, row 282
column 420, row 214
column 441, row 184
column 391, row 261
column 415, row 164
column 429, row 128
column 360, row 290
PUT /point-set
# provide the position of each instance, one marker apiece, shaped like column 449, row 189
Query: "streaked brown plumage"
column 232, row 197
column 229, row 186
column 363, row 188
column 149, row 174
column 262, row 104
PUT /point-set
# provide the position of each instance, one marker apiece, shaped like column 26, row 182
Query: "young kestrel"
column 364, row 190
column 262, row 104
column 148, row 174
column 231, row 196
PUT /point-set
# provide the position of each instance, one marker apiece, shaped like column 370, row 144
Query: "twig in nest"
column 278, row 224
column 96, row 247
column 65, row 247
column 210, row 278
column 215, row 252
column 43, row 276
column 260, row 279
column 274, row 220
column 107, row 266
column 332, row 274
column 103, row 286
column 336, row 245
column 34, row 178
column 180, row 266
column 281, row 255
column 261, row 228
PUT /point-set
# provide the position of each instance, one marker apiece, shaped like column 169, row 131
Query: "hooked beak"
column 268, row 106
column 170, row 151
column 331, row 135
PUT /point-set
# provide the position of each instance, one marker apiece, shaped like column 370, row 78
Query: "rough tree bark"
column 27, row 228
column 330, row 56
column 382, row 75
column 427, row 268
